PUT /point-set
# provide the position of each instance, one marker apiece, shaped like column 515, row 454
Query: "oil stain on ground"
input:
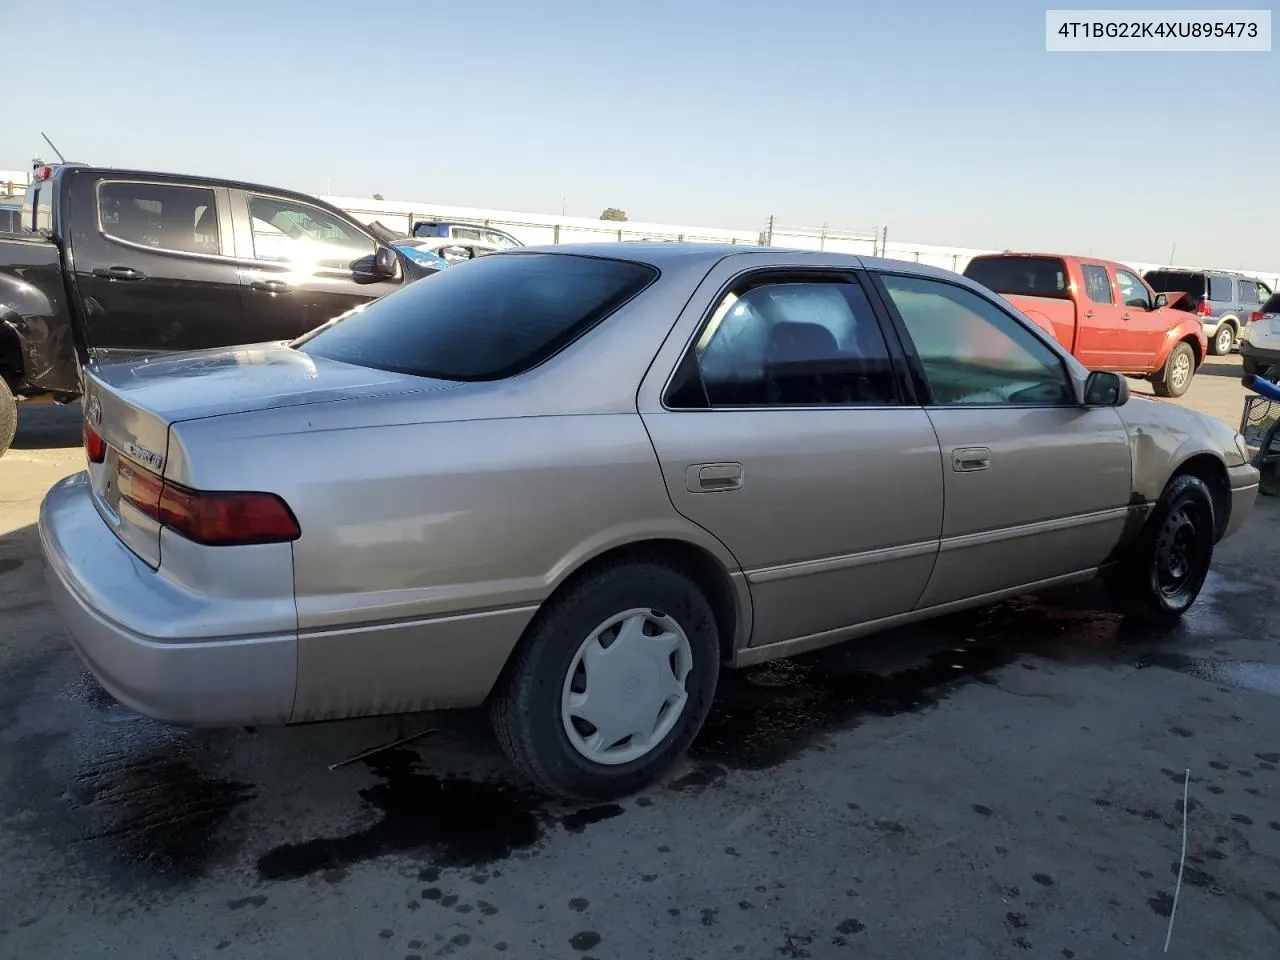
column 764, row 716
column 463, row 823
column 158, row 811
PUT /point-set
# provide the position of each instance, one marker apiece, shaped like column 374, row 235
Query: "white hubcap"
column 625, row 688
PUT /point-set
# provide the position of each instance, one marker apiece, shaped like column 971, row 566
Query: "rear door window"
column 162, row 216
column 1192, row 284
column 1020, row 276
column 1220, row 290
column 1097, row 285
column 1249, row 293
column 487, row 319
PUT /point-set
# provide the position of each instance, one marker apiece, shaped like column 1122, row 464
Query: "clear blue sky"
column 946, row 121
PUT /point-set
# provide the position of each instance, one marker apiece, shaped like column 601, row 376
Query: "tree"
column 378, row 196
column 613, row 213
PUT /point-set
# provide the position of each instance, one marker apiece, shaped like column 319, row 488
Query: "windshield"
column 486, row 319
column 1163, row 281
column 1020, row 276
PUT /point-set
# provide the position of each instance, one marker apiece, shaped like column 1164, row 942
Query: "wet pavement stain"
column 765, row 715
column 464, row 823
column 158, row 812
column 579, row 820
column 1256, row 675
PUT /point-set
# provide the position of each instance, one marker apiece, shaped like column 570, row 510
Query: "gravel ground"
column 1006, row 783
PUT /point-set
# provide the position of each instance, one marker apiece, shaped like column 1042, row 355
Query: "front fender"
column 1185, row 327
column 33, row 313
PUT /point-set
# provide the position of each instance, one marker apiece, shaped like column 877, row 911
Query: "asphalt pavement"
column 1003, row 783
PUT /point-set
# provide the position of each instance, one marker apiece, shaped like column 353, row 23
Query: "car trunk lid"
column 132, row 405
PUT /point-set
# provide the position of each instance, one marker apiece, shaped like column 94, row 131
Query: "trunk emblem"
column 95, row 411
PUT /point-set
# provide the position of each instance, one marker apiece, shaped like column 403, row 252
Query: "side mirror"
column 1106, row 389
column 1162, row 301
column 385, row 262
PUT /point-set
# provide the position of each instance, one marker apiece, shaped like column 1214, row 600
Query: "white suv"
column 1260, row 340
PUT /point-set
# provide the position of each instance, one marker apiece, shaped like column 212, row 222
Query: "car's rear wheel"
column 611, row 682
column 1166, row 568
column 1174, row 379
column 8, row 417
column 1223, row 340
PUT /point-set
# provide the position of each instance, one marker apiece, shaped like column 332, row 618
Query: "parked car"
column 1222, row 301
column 466, row 233
column 1102, row 312
column 1260, row 340
column 572, row 485
column 122, row 262
column 453, row 250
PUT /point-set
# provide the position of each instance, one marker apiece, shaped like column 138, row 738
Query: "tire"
column 8, row 417
column 1154, row 582
column 531, row 712
column 1179, row 368
column 1223, row 340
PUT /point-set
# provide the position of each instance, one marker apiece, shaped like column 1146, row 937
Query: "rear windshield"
column 1272, row 305
column 1020, row 276
column 1162, row 281
column 485, row 319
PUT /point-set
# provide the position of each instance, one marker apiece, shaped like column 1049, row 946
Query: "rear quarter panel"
column 35, row 316
column 1054, row 316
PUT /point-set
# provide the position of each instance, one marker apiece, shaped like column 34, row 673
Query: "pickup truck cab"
column 1103, row 312
column 115, row 263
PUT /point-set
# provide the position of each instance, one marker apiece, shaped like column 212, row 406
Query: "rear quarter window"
column 1272, row 305
column 1020, row 276
column 486, row 319
column 1220, row 290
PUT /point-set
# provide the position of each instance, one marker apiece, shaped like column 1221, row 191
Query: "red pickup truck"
column 1103, row 312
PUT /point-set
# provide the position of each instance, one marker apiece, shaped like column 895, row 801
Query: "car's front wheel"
column 1223, row 340
column 1175, row 377
column 1163, row 573
column 611, row 682
column 8, row 417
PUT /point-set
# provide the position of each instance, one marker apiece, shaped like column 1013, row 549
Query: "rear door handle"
column 119, row 273
column 1124, row 316
column 969, row 459
column 713, row 477
column 270, row 286
column 1088, row 314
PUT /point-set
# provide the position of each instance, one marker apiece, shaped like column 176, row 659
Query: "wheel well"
column 1194, row 344
column 10, row 355
column 1212, row 471
column 696, row 563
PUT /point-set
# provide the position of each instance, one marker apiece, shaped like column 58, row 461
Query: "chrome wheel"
column 1181, row 371
column 625, row 687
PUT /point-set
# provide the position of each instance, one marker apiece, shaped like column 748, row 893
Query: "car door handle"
column 1088, row 315
column 119, row 273
column 969, row 459
column 270, row 286
column 713, row 477
column 1124, row 316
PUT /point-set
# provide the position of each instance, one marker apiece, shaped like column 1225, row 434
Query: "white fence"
column 537, row 228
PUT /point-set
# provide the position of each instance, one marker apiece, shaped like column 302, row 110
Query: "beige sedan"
column 573, row 483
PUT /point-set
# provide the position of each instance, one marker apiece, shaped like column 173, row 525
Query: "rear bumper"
column 103, row 593
column 1248, row 349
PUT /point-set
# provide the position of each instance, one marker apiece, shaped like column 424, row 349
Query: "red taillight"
column 1204, row 309
column 94, row 446
column 1255, row 316
column 214, row 519
column 43, row 173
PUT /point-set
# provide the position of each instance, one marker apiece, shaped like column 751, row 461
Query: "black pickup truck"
column 114, row 263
